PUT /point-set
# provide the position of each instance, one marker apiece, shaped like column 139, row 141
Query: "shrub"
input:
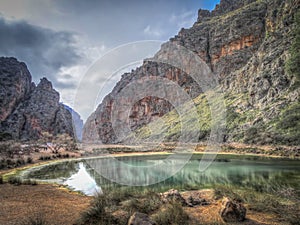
column 5, row 136
column 224, row 191
column 144, row 204
column 3, row 164
column 96, row 214
column 29, row 182
column 14, row 180
column 119, row 195
column 173, row 214
column 45, row 158
column 29, row 160
column 1, row 180
column 20, row 162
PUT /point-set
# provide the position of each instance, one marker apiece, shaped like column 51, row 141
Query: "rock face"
column 99, row 127
column 232, row 211
column 246, row 44
column 28, row 110
column 77, row 122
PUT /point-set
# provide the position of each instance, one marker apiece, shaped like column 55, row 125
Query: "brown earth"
column 57, row 205
column 54, row 204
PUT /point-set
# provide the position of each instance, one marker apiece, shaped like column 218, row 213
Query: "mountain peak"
column 224, row 7
column 45, row 84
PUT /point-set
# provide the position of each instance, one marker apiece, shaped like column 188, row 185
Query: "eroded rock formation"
column 28, row 110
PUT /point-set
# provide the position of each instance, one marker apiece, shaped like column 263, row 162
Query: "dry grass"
column 20, row 204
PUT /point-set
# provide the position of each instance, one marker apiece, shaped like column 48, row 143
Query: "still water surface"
column 239, row 171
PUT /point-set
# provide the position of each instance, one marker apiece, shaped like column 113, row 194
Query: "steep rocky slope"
column 77, row 122
column 246, row 44
column 98, row 127
column 28, row 110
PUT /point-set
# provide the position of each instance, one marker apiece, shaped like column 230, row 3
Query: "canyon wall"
column 246, row 45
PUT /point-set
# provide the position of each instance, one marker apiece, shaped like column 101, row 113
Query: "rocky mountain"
column 27, row 110
column 77, row 122
column 247, row 45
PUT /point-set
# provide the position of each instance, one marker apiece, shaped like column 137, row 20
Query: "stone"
column 173, row 195
column 192, row 201
column 232, row 211
column 140, row 219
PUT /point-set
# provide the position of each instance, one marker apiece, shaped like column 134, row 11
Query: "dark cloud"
column 43, row 50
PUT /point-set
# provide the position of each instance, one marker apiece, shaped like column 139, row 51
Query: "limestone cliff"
column 28, row 110
column 246, row 44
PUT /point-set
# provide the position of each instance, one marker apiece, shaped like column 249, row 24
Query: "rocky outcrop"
column 15, row 85
column 246, row 44
column 28, row 110
column 232, row 211
column 173, row 195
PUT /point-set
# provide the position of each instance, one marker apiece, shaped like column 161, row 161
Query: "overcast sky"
column 61, row 39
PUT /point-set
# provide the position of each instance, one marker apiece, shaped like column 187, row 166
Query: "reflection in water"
column 257, row 173
column 82, row 181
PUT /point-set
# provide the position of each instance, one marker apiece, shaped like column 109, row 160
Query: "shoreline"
column 83, row 202
column 6, row 173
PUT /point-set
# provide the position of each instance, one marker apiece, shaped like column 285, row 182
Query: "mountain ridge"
column 247, row 47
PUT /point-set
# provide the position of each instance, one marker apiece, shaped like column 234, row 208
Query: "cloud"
column 184, row 19
column 44, row 51
column 148, row 30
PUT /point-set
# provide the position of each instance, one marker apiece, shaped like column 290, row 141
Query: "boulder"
column 173, row 195
column 192, row 201
column 232, row 211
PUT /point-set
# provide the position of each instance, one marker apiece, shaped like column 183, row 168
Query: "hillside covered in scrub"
column 253, row 48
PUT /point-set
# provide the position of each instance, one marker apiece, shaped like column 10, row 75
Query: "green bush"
column 15, row 180
column 172, row 214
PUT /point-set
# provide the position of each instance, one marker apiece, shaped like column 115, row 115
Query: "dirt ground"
column 59, row 206
column 55, row 205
